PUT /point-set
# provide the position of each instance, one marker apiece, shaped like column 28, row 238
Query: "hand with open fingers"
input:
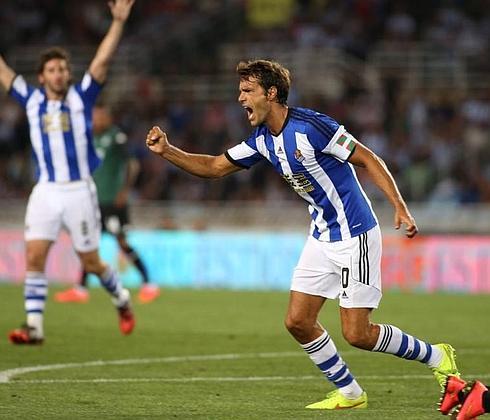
column 120, row 9
column 157, row 141
column 405, row 218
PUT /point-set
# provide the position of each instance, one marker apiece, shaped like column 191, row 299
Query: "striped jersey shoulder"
column 321, row 130
column 22, row 91
column 314, row 122
column 257, row 135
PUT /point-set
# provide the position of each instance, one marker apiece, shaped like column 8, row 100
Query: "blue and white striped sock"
column 323, row 353
column 111, row 282
column 35, row 294
column 394, row 341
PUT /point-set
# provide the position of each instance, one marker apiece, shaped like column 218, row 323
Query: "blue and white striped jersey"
column 60, row 131
column 311, row 154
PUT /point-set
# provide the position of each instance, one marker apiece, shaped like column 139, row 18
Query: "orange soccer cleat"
column 73, row 295
column 126, row 320
column 124, row 311
column 24, row 335
column 472, row 406
column 449, row 398
column 148, row 293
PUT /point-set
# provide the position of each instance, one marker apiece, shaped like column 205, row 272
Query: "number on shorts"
column 84, row 228
column 345, row 277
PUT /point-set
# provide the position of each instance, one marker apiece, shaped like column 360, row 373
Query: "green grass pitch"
column 211, row 354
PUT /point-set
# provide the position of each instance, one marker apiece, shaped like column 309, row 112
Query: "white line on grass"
column 7, row 375
column 228, row 379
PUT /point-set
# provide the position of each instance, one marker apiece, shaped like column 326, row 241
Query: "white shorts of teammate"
column 349, row 270
column 72, row 206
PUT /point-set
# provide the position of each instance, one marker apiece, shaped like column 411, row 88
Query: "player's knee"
column 93, row 265
column 296, row 325
column 35, row 261
column 357, row 338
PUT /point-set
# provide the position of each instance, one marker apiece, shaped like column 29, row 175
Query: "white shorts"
column 349, row 270
column 72, row 206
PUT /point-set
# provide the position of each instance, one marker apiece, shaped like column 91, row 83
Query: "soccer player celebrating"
column 60, row 120
column 114, row 178
column 342, row 256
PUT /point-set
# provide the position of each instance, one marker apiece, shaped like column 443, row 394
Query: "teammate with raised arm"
column 342, row 256
column 60, row 121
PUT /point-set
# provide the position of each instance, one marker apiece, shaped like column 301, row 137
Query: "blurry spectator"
column 411, row 82
column 418, row 177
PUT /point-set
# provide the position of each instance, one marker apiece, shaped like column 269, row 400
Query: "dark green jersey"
column 110, row 177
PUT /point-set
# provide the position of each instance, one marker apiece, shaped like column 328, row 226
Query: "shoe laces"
column 333, row 394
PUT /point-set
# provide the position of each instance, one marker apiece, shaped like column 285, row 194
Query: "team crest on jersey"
column 298, row 155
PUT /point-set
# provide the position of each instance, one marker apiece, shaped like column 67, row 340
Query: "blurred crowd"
column 435, row 137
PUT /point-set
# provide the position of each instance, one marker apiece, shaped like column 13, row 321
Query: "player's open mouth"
column 249, row 111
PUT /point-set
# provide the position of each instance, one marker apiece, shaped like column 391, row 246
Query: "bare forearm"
column 106, row 50
column 379, row 173
column 205, row 166
column 383, row 179
column 109, row 44
column 6, row 74
column 381, row 176
column 195, row 164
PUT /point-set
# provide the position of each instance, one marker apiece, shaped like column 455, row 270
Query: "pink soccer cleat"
column 73, row 295
column 148, row 293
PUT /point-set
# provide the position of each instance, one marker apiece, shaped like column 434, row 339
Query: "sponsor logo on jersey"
column 299, row 183
column 53, row 123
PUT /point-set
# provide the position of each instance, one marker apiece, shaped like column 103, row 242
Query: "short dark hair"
column 50, row 54
column 268, row 74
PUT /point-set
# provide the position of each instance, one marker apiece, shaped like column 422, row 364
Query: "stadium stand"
column 411, row 82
